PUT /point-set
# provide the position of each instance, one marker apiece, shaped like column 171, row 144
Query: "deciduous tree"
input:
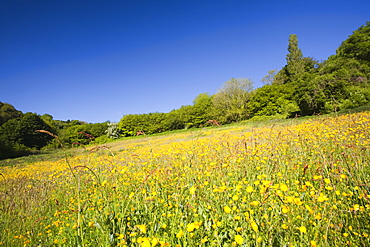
column 231, row 100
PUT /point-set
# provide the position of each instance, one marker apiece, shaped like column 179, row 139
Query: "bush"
column 101, row 140
column 266, row 118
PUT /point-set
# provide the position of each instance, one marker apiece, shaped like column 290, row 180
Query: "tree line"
column 304, row 86
column 19, row 136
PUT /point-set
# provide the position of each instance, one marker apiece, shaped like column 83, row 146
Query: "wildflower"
column 235, row 197
column 220, row 189
column 205, row 239
column 254, row 203
column 290, row 199
column 284, row 209
column 239, row 239
column 155, row 241
column 284, row 187
column 313, row 243
column 318, row 216
column 327, row 180
column 322, row 198
column 302, row 229
column 192, row 190
column 142, row 228
column 227, row 209
column 179, row 234
column 284, row 226
column 246, row 214
column 144, row 242
column 266, row 183
column 298, row 201
column 254, row 226
column 308, row 183
column 249, row 189
column 195, row 225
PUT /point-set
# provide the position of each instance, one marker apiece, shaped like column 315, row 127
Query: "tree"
column 84, row 133
column 270, row 77
column 271, row 100
column 7, row 111
column 295, row 54
column 342, row 81
column 28, row 125
column 295, row 66
column 202, row 109
column 232, row 98
column 174, row 120
column 357, row 45
column 23, row 131
column 112, row 131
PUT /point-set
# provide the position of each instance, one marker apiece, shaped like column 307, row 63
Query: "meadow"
column 292, row 183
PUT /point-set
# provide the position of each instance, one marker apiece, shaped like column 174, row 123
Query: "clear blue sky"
column 99, row 60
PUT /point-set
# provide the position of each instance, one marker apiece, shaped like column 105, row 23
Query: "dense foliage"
column 18, row 135
column 7, row 111
column 302, row 87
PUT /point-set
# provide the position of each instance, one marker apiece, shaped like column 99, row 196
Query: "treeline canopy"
column 302, row 87
column 19, row 136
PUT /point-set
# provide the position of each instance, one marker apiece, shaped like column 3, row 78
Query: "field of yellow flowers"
column 296, row 184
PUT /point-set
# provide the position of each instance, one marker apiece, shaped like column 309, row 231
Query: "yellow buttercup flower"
column 302, row 229
column 313, row 243
column 179, row 234
column 249, row 189
column 227, row 209
column 254, row 226
column 239, row 239
column 284, row 187
column 192, row 190
column 142, row 228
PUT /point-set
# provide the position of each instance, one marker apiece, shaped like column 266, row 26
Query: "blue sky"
column 100, row 60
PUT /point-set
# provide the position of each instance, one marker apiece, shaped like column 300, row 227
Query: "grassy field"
column 283, row 183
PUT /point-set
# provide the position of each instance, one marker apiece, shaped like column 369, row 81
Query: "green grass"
column 293, row 182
